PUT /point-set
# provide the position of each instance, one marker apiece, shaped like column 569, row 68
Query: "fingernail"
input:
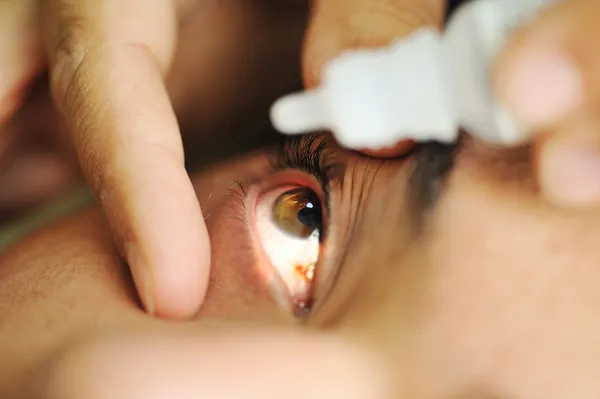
column 543, row 87
column 141, row 277
column 571, row 176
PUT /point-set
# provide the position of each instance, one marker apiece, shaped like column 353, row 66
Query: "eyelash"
column 240, row 191
column 236, row 201
column 306, row 154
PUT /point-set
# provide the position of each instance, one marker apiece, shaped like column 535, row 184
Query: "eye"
column 289, row 222
column 298, row 213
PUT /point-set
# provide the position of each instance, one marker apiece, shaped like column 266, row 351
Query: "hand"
column 549, row 76
column 199, row 63
column 107, row 61
column 345, row 24
column 182, row 363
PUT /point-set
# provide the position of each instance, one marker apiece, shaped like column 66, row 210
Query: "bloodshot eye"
column 289, row 222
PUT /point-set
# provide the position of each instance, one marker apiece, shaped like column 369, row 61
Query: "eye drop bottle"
column 424, row 87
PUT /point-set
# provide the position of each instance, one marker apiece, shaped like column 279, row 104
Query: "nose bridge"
column 382, row 252
column 383, row 239
column 381, row 310
column 395, row 225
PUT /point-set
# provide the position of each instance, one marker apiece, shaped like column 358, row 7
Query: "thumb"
column 338, row 25
column 21, row 57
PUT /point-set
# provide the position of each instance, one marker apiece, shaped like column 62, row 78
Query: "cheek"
column 236, row 291
column 512, row 287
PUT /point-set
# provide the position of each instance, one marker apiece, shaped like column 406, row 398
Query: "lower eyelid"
column 288, row 292
column 264, row 269
column 236, row 271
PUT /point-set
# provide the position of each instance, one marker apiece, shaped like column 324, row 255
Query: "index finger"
column 107, row 61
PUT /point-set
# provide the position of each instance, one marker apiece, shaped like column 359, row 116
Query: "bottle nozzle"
column 299, row 113
column 376, row 98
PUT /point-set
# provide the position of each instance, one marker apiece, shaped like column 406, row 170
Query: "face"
column 446, row 264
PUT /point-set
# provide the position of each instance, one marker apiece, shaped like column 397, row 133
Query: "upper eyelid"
column 310, row 154
column 313, row 154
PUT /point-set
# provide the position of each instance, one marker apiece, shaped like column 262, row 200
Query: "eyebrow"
column 433, row 163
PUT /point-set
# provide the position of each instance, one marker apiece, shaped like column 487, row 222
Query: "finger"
column 568, row 161
column 107, row 61
column 20, row 53
column 245, row 365
column 337, row 25
column 549, row 76
column 400, row 148
column 343, row 24
column 549, row 70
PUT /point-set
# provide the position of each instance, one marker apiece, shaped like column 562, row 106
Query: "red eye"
column 289, row 223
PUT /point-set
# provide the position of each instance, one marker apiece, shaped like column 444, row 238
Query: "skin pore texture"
column 457, row 277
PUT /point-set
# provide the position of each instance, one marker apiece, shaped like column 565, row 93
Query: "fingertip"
column 541, row 75
column 336, row 26
column 398, row 150
column 569, row 173
column 142, row 275
column 172, row 287
column 170, row 256
column 181, row 283
column 540, row 84
column 568, row 162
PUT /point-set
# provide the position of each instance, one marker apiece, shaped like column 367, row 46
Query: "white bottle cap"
column 374, row 98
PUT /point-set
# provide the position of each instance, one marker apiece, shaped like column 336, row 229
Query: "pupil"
column 310, row 215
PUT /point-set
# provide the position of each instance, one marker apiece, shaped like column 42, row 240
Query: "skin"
column 410, row 308
column 101, row 55
column 492, row 292
column 552, row 53
column 218, row 42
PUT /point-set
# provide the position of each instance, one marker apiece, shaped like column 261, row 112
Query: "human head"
column 445, row 263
